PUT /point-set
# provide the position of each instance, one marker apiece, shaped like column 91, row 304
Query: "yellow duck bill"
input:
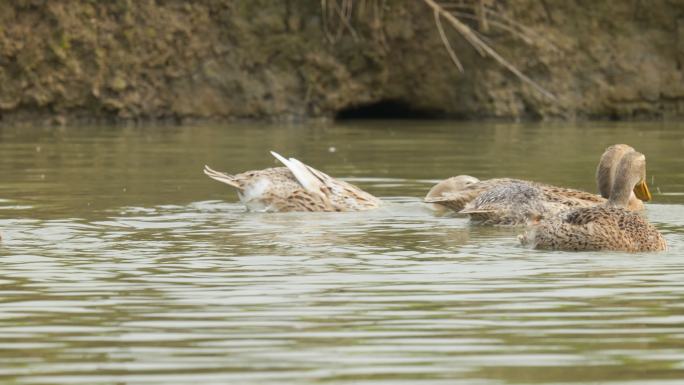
column 641, row 191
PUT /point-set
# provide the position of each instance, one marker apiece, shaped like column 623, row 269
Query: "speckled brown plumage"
column 297, row 187
column 513, row 203
column 596, row 228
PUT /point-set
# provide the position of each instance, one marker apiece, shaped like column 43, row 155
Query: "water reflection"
column 122, row 263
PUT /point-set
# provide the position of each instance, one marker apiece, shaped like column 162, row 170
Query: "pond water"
column 123, row 264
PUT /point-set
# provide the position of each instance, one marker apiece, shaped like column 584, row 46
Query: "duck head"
column 630, row 177
column 605, row 173
column 449, row 185
column 453, row 184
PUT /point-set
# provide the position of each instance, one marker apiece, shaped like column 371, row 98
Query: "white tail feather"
column 305, row 178
column 325, row 178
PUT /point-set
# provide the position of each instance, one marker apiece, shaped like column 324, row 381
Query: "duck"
column 608, row 226
column 294, row 187
column 507, row 201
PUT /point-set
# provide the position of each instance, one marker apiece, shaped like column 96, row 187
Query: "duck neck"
column 620, row 193
column 604, row 179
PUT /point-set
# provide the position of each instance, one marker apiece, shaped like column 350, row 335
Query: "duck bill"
column 641, row 191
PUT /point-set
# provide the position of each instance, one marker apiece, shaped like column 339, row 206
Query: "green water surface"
column 121, row 263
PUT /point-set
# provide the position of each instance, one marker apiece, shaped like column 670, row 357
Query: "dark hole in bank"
column 386, row 109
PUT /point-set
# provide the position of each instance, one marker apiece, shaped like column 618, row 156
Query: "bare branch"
column 483, row 48
column 447, row 45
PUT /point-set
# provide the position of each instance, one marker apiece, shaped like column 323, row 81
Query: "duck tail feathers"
column 222, row 177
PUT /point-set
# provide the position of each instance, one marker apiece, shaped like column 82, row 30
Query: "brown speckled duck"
column 609, row 226
column 507, row 201
column 295, row 187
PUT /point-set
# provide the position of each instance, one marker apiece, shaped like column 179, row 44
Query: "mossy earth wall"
column 63, row 61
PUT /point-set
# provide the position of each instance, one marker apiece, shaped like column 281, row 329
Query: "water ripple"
column 130, row 282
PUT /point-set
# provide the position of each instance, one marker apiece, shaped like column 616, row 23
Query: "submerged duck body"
column 610, row 226
column 505, row 201
column 295, row 187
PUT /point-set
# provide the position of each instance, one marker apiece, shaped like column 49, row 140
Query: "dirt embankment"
column 292, row 59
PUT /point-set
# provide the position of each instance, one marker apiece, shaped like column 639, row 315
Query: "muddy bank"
column 219, row 59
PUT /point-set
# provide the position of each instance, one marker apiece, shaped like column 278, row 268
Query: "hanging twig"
column 482, row 47
column 344, row 13
column 447, row 45
column 494, row 23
